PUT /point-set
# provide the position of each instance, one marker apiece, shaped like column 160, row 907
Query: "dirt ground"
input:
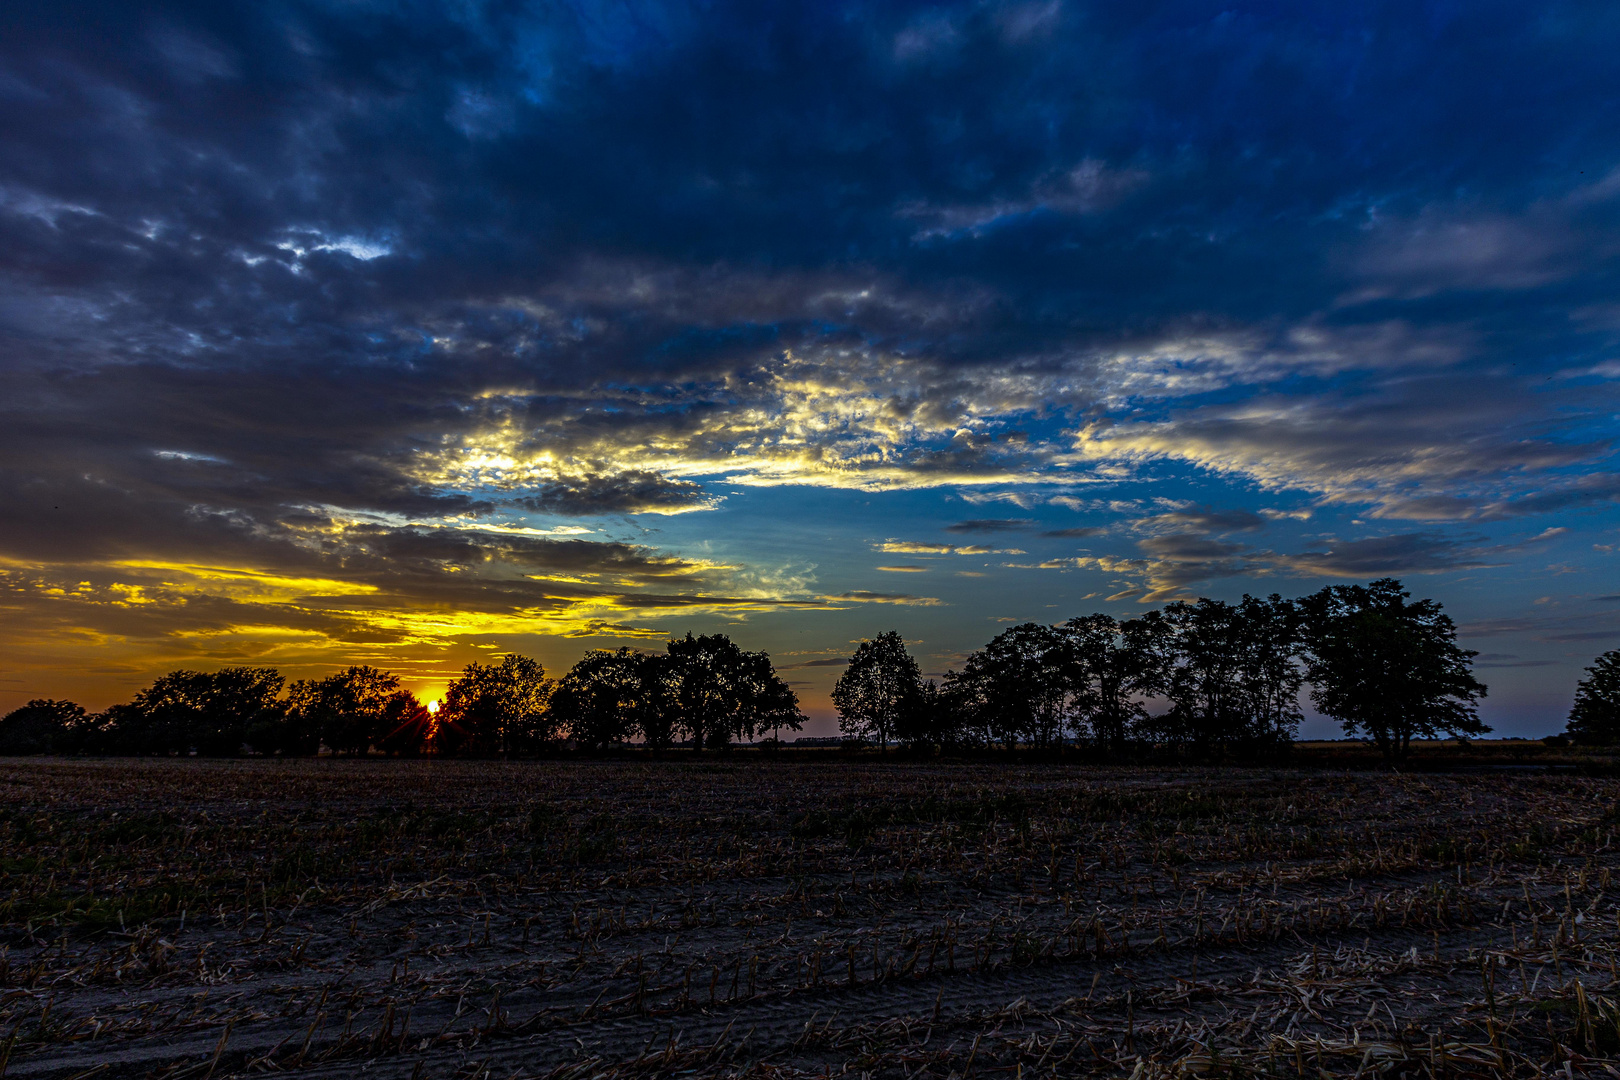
column 575, row 919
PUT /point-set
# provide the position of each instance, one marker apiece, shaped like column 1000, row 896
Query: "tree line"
column 1206, row 680
column 704, row 690
column 1226, row 678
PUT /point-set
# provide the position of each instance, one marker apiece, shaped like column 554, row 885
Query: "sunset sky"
column 412, row 334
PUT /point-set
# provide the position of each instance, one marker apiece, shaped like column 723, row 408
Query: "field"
column 574, row 919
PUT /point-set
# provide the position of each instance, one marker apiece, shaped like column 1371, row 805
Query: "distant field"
column 207, row 919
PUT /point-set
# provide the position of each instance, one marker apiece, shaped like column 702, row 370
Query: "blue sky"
column 408, row 334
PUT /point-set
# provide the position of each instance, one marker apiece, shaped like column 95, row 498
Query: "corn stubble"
column 571, row 920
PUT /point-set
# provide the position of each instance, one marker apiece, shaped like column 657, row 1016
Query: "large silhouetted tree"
column 1272, row 638
column 406, row 727
column 1235, row 683
column 1208, row 705
column 1112, row 666
column 1595, row 716
column 768, row 703
column 1018, row 686
column 878, row 690
column 657, row 706
column 1388, row 669
column 43, row 726
column 719, row 692
column 348, row 711
column 213, row 713
column 603, row 698
column 497, row 709
column 930, row 721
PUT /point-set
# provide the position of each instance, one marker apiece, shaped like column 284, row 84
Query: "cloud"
column 1402, row 451
column 1440, row 250
column 1378, row 556
column 1167, row 567
column 314, row 588
column 1203, row 520
column 1509, row 660
column 991, row 525
column 915, row 547
column 862, row 596
column 320, row 330
column 633, row 492
column 1089, row 187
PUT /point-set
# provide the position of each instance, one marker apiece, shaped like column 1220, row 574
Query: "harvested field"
column 323, row 918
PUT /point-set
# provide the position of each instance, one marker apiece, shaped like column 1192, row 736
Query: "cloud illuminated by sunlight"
column 241, row 583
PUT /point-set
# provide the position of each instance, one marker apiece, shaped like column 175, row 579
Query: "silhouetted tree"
column 602, row 698
column 43, row 726
column 1388, row 669
column 929, row 721
column 497, row 709
column 87, row 734
column 1272, row 638
column 1594, row 719
column 1117, row 664
column 1204, row 687
column 701, row 680
column 348, row 711
column 879, row 689
column 1018, row 686
column 213, row 713
column 719, row 692
column 768, row 703
column 657, row 707
column 117, row 729
column 406, row 729
column 964, row 705
column 1235, row 683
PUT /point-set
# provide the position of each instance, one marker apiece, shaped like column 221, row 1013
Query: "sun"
column 433, row 706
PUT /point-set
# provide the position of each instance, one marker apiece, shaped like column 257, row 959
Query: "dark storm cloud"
column 593, row 194
column 318, row 289
column 633, row 492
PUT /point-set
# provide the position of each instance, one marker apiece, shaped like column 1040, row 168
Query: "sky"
column 413, row 334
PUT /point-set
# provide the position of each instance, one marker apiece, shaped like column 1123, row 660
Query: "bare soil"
column 575, row 919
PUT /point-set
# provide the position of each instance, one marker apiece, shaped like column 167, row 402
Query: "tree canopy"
column 1019, row 686
column 1234, row 681
column 879, row 689
column 1113, row 666
column 348, row 711
column 1386, row 668
column 1595, row 715
column 42, row 726
column 720, row 692
column 211, row 713
column 608, row 697
column 496, row 710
